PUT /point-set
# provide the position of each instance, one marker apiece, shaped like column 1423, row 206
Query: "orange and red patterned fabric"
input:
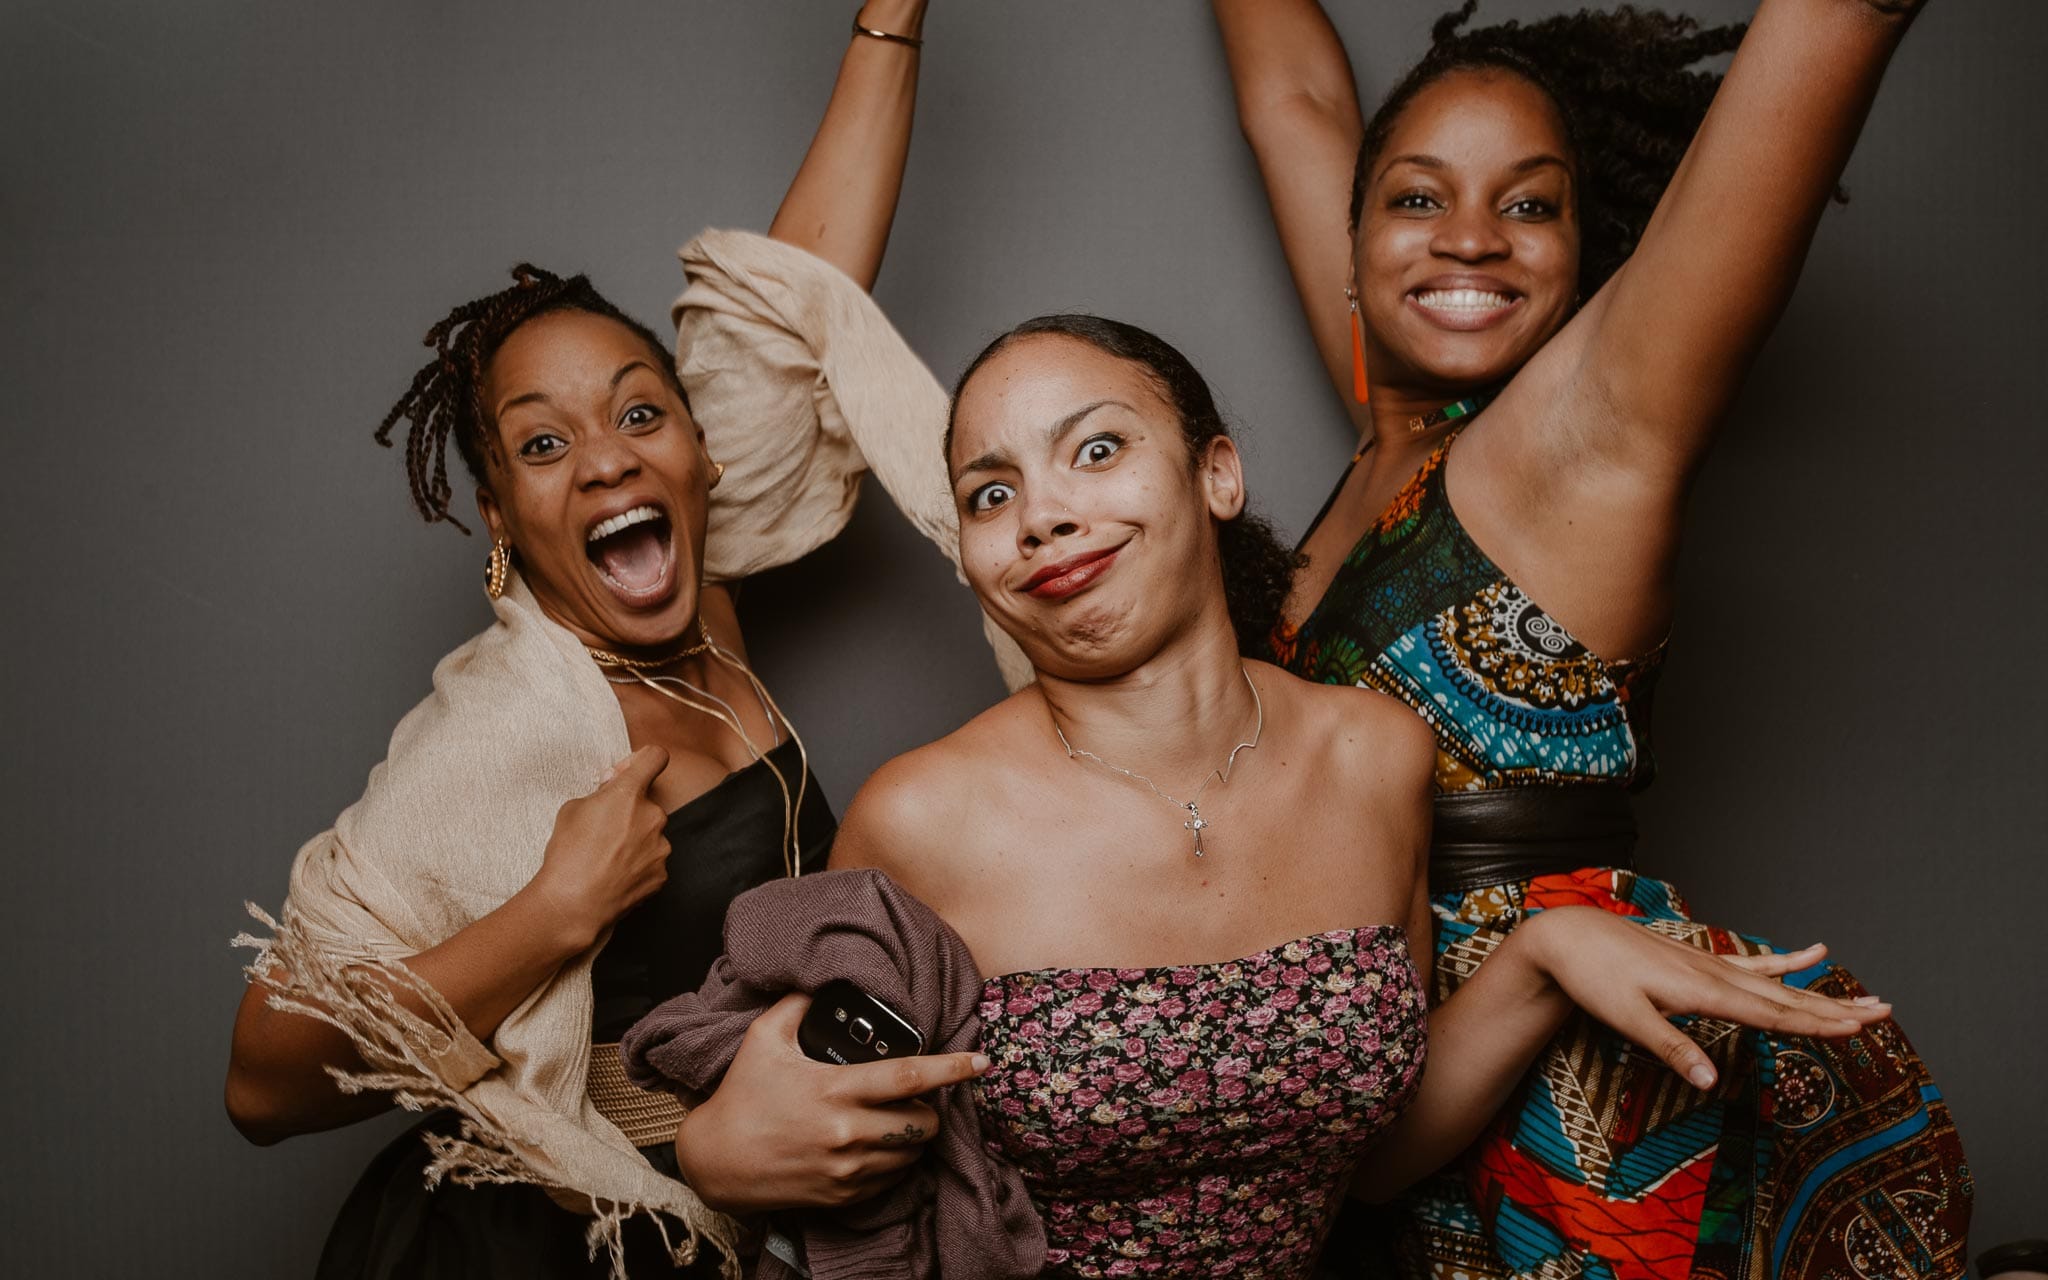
column 1832, row 1159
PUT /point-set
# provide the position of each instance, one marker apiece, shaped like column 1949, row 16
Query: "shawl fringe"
column 356, row 993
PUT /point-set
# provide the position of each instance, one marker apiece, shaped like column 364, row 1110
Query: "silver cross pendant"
column 1195, row 823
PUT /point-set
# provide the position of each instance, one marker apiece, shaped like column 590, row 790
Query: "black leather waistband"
column 1485, row 838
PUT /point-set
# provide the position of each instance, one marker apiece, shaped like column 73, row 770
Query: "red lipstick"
column 1059, row 580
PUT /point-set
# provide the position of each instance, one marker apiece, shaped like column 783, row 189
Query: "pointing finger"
column 640, row 769
column 909, row 1077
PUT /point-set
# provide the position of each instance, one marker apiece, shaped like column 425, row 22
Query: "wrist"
column 694, row 1175
column 1532, row 951
column 554, row 920
column 897, row 17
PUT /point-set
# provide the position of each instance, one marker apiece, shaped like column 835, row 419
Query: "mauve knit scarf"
column 959, row 1215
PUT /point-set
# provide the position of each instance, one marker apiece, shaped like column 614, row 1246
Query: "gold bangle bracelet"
column 877, row 33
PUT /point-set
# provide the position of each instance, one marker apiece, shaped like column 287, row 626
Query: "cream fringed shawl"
column 800, row 384
column 454, row 822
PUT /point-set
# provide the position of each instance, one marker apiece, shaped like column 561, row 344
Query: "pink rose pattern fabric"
column 1200, row 1119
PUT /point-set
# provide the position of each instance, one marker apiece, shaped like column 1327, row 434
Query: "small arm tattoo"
column 903, row 1137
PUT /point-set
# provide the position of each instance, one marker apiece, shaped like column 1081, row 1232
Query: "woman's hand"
column 785, row 1132
column 608, row 851
column 1486, row 1034
column 1635, row 979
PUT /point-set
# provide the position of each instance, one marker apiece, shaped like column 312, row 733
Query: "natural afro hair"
column 1625, row 83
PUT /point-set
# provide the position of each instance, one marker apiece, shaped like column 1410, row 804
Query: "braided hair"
column 1625, row 85
column 1258, row 569
column 446, row 396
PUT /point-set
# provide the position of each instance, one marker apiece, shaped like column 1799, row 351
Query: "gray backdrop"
column 226, row 223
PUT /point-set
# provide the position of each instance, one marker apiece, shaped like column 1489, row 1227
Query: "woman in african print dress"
column 1549, row 223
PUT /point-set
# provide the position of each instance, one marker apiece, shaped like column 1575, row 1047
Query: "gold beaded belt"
column 646, row 1117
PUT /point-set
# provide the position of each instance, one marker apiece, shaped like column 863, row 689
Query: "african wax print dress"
column 1200, row 1119
column 1810, row 1158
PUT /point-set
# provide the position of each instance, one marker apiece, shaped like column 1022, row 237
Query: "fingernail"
column 1868, row 1000
column 980, row 1062
column 1701, row 1075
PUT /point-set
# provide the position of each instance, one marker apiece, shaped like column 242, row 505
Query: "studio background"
column 225, row 226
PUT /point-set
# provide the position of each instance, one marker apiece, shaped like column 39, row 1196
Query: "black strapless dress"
column 392, row 1227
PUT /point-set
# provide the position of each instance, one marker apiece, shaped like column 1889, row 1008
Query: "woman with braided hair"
column 1564, row 223
column 476, row 932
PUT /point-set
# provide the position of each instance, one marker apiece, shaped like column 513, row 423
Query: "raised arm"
column 1485, row 1036
column 1676, row 329
column 1298, row 108
column 843, row 199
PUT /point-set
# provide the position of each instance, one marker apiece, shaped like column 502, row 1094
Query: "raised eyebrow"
column 1059, row 429
column 1415, row 158
column 627, row 368
column 530, row 397
column 996, row 459
column 541, row 397
column 993, row 460
column 1541, row 161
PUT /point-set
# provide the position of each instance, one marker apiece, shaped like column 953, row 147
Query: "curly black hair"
column 1258, row 569
column 446, row 396
column 1626, row 86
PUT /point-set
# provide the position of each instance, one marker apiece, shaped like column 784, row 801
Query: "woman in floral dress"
column 1199, row 881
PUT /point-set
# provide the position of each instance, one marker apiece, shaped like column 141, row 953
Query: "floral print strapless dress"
column 1200, row 1120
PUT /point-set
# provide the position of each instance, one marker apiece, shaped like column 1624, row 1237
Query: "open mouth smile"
column 634, row 555
column 1464, row 306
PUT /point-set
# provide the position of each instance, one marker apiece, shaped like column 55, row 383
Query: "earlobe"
column 487, row 508
column 1223, row 479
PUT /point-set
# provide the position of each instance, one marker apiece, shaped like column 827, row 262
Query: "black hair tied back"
column 1258, row 569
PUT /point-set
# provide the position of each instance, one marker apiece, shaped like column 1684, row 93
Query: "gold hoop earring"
column 717, row 473
column 496, row 567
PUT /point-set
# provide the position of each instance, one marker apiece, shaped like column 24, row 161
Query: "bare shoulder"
column 1365, row 733
column 900, row 810
column 913, row 818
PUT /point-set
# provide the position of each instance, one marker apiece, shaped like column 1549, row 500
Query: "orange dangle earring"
column 1361, row 391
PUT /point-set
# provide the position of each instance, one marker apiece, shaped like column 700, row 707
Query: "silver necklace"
column 1193, row 805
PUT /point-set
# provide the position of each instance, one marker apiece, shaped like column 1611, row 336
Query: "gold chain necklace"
column 1193, row 805
column 792, row 798
column 606, row 658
